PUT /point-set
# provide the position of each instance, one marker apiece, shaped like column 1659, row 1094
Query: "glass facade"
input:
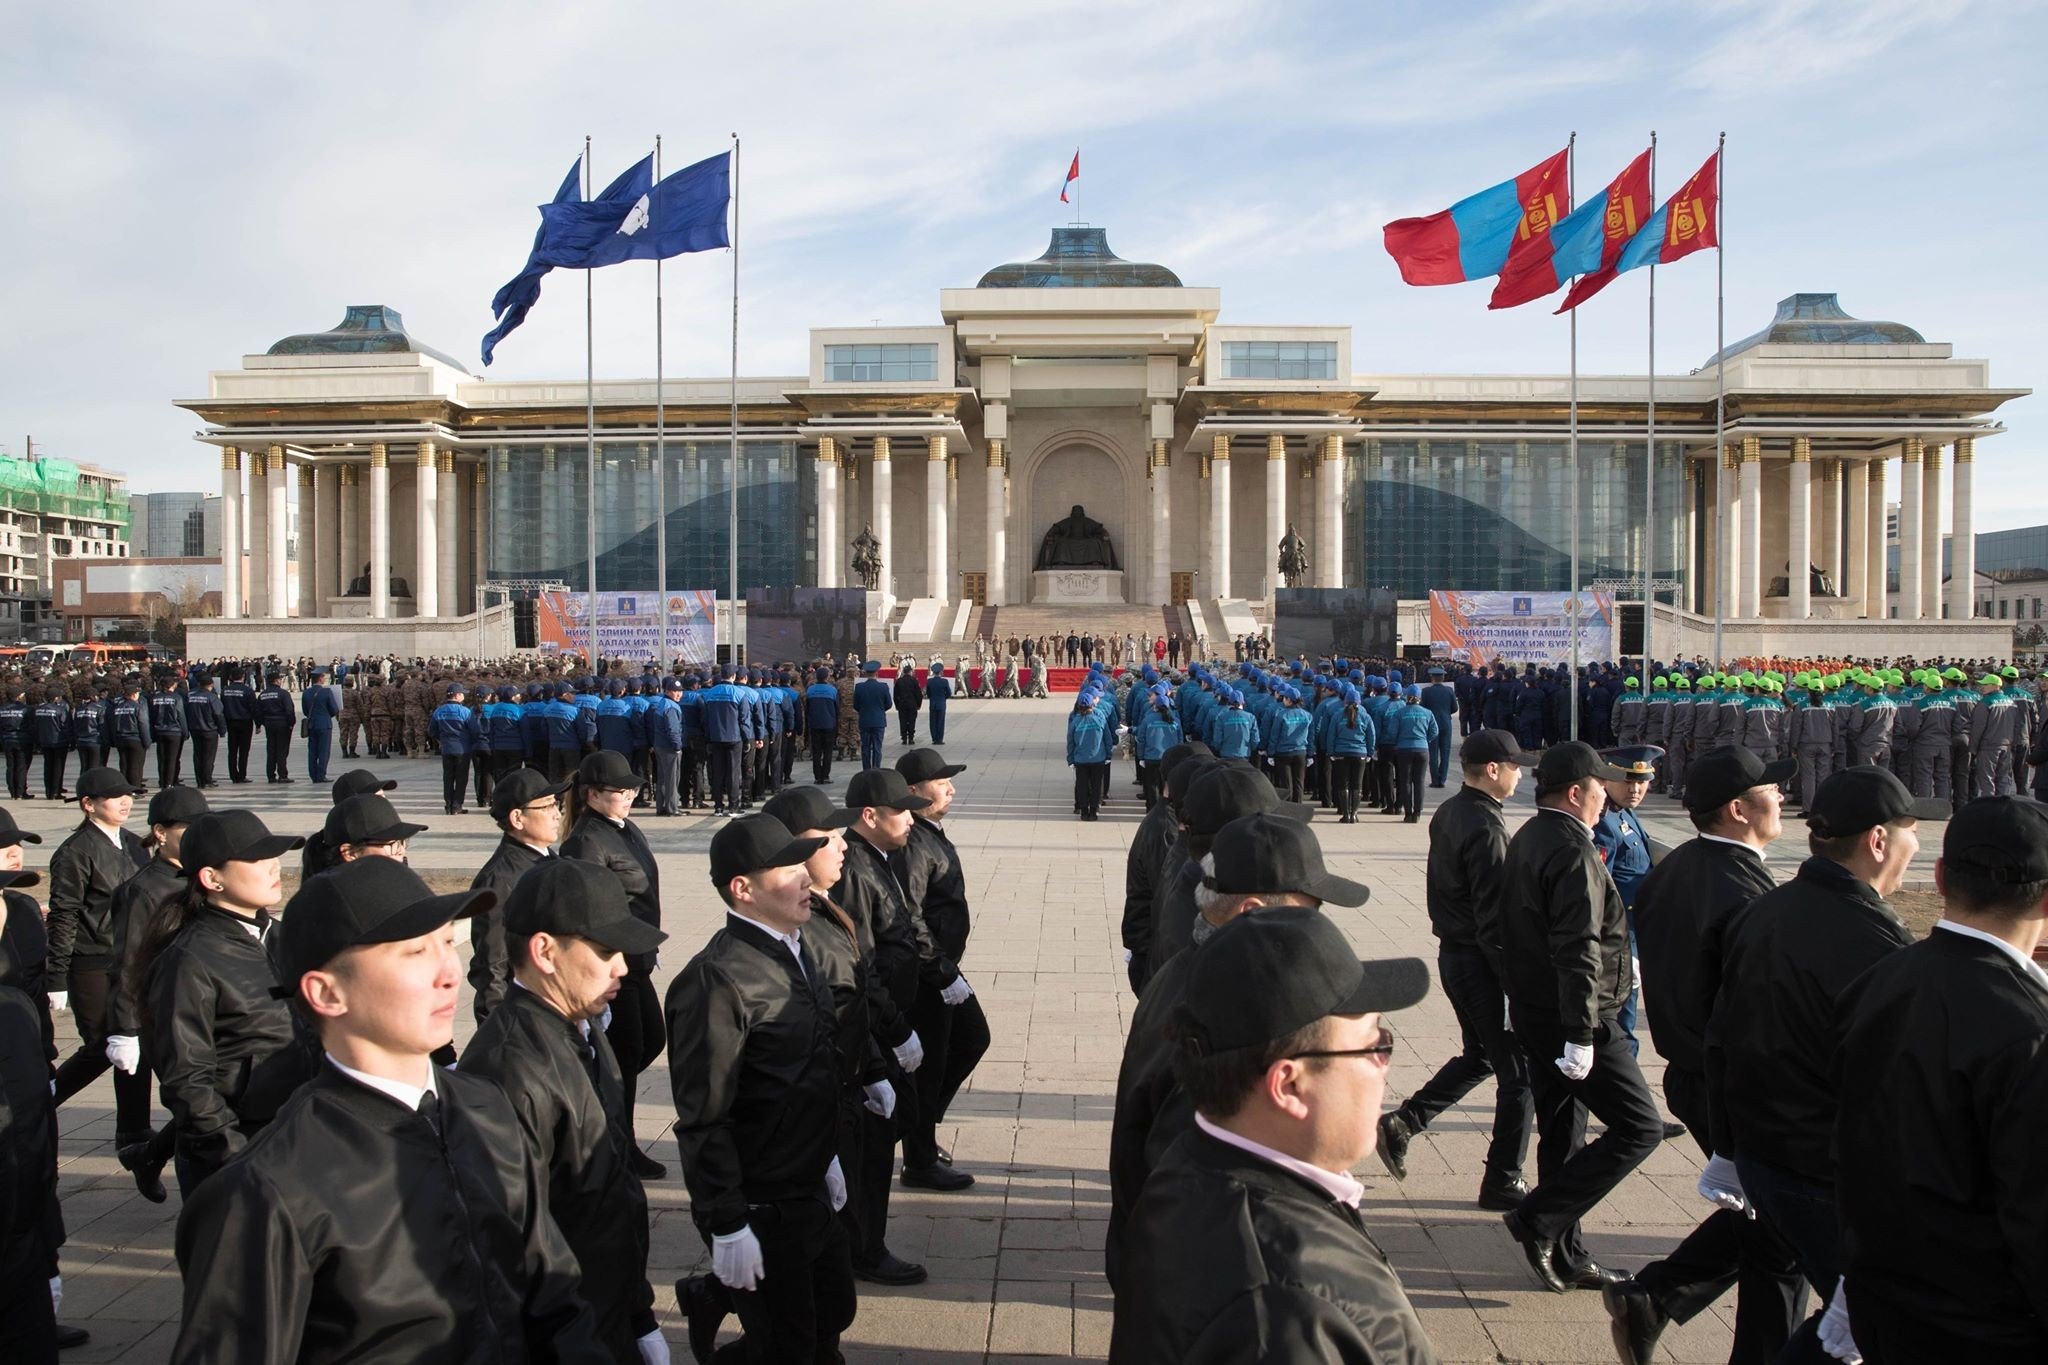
column 1279, row 360
column 537, row 500
column 899, row 362
column 1495, row 516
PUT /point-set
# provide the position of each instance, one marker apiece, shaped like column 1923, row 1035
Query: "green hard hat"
column 1955, row 674
column 1658, row 681
column 2009, row 671
column 1631, row 682
column 1682, row 683
column 1990, row 680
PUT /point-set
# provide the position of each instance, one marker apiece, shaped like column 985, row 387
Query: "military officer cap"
column 1638, row 762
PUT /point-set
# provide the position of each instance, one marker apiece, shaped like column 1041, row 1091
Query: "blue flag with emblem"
column 522, row 291
column 685, row 212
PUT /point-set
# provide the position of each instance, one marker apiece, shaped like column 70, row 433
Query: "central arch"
column 1080, row 468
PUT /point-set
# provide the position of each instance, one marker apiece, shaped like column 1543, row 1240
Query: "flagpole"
column 1572, row 445
column 732, row 510
column 661, row 658
column 1650, row 465
column 589, row 438
column 1720, row 399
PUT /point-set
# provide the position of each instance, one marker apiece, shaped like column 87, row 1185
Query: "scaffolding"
column 56, row 488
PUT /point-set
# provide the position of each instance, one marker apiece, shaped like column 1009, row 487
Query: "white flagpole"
column 732, row 511
column 661, row 656
column 1720, row 399
column 589, row 440
column 1572, row 447
column 1650, row 466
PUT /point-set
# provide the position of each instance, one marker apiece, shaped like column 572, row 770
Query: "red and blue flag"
column 1589, row 239
column 1485, row 233
column 1688, row 221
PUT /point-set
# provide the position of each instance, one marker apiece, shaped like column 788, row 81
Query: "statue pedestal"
column 1096, row 587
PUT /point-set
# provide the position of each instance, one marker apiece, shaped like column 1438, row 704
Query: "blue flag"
column 685, row 212
column 517, row 298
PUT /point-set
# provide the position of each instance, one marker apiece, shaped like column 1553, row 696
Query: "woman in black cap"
column 224, row 1047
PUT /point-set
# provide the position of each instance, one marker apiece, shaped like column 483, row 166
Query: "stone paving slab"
column 1016, row 1261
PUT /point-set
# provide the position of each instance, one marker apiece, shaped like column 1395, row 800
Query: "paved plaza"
column 1016, row 1262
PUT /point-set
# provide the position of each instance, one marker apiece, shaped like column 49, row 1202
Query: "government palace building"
column 1081, row 380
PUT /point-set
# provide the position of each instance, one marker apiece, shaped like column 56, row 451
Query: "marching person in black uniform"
column 238, row 713
column 443, row 1248
column 30, row 1222
column 949, row 1021
column 1682, row 913
column 94, row 859
column 167, row 727
column 755, row 1074
column 570, row 930
column 1468, row 843
column 1564, row 950
column 528, row 810
column 1247, row 1244
column 127, row 735
column 1943, row 1074
column 1153, row 847
column 1221, row 793
column 203, row 722
column 277, row 714
column 50, row 726
column 602, row 831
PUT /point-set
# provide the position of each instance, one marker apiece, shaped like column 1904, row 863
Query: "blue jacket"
column 665, row 725
column 166, row 714
column 1619, row 837
column 719, row 709
column 1088, row 737
column 127, row 722
column 1157, row 733
column 504, row 726
column 821, row 707
column 320, row 707
column 937, row 691
column 692, row 704
column 533, row 727
column 238, row 701
column 202, row 713
column 1233, row 733
column 1288, row 733
column 274, row 707
column 1410, row 727
column 1350, row 740
column 872, row 703
column 455, row 729
column 1441, row 701
column 615, row 726
column 88, row 723
column 569, row 726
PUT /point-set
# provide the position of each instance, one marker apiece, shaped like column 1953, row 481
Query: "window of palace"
column 1279, row 360
column 883, row 362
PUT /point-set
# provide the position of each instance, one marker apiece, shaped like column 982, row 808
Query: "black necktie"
column 430, row 1110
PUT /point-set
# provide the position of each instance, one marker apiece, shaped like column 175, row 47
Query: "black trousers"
column 787, row 761
column 454, row 780
column 1346, row 772
column 1148, row 781
column 1490, row 1050
column 133, row 760
column 764, row 760
column 277, row 752
column 92, row 1007
column 954, row 1038
column 54, row 761
column 205, row 746
column 239, row 734
column 867, row 1158
column 822, row 742
column 28, row 1323
column 690, row 780
column 170, row 760
column 1288, row 772
column 1572, row 1174
column 1727, row 1250
column 17, row 773
column 725, row 775
column 562, row 764
column 1411, row 767
column 806, row 1296
column 636, row 1032
column 908, row 721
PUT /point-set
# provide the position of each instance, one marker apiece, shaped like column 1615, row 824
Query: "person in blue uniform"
column 938, row 690
column 1411, row 730
column 1623, row 846
column 1440, row 699
column 504, row 727
column 871, row 703
column 722, row 712
column 321, row 708
column 276, row 714
column 1088, row 748
column 821, row 724
column 203, row 722
column 126, row 737
column 238, row 713
column 167, row 727
column 1530, row 706
column 456, row 735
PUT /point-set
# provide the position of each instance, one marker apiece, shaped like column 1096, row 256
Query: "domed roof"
column 1818, row 320
column 1079, row 258
column 366, row 328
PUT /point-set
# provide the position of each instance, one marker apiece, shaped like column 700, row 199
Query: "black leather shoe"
column 646, row 1167
column 148, row 1172
column 1537, row 1250
column 945, row 1157
column 68, row 1337
column 704, row 1304
column 1673, row 1130
column 1501, row 1196
column 935, row 1177
column 1635, row 1320
column 891, row 1269
column 1395, row 1135
column 1593, row 1275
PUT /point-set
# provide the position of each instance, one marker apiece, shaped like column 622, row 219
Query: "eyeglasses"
column 1383, row 1049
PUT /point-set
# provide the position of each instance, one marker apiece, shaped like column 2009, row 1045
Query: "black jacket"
column 1562, row 931
column 1234, row 1259
column 909, row 696
column 905, row 954
column 352, row 1230
column 1786, row 959
column 1682, row 911
column 1151, row 1108
column 140, row 904
column 754, row 1071
column 867, row 1018
column 25, row 960
column 1173, row 909
column 623, row 849
column 490, row 970
column 1943, row 1190
column 1157, row 833
column 1468, row 842
column 226, row 1052
column 579, row 1128
column 28, row 1118
column 929, row 867
column 84, row 870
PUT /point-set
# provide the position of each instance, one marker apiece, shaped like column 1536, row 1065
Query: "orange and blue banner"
column 1589, row 240
column 1499, row 228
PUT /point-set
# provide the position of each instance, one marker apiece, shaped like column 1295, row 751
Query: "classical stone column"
column 480, row 525
column 447, row 503
column 276, row 527
column 882, row 495
column 1330, row 502
column 380, row 531
column 310, row 567
column 1727, row 535
column 1799, row 539
column 1962, row 542
column 997, row 530
column 829, row 549
column 1855, row 580
column 1752, row 493
column 230, row 533
column 1831, row 522
column 1930, row 532
column 426, row 577
column 351, row 526
column 1276, row 507
column 1910, row 491
column 1162, row 522
column 1219, row 513
column 1874, row 556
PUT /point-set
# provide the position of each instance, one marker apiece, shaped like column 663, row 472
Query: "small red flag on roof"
column 1073, row 174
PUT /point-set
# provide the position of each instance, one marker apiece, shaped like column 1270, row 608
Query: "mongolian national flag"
column 1688, row 221
column 1073, row 174
column 1590, row 239
column 1483, row 234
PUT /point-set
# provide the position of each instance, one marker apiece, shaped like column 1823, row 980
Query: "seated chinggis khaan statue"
column 1078, row 542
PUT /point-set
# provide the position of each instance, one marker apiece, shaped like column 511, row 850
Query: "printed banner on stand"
column 629, row 625
column 1519, row 627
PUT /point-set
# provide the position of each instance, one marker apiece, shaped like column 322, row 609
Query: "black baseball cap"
column 1182, row 776
column 20, row 876
column 371, row 900
column 177, row 806
column 230, row 836
column 1494, row 746
column 1226, row 793
column 1638, row 762
column 807, row 808
column 754, row 842
column 361, row 782
column 1856, row 799
column 884, row 788
column 1726, row 771
column 522, row 787
column 366, row 820
column 927, row 765
column 12, row 834
column 570, row 896
column 607, row 768
column 1266, row 854
column 99, row 783
column 1573, row 761
column 1262, row 977
column 2000, row 838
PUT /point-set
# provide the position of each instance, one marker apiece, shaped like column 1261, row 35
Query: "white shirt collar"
column 1339, row 1186
column 793, row 941
column 407, row 1095
column 1736, row 843
column 2027, row 964
column 113, row 834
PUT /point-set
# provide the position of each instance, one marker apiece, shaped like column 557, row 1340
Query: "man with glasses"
column 528, row 809
column 1247, row 1242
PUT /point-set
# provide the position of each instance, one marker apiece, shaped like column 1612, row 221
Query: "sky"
column 186, row 183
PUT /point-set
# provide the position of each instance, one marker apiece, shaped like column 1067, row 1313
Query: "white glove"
column 1127, row 957
column 736, row 1259
column 1635, row 967
column 1577, row 1062
column 1720, row 1184
column 124, row 1050
column 881, row 1100
column 57, row 1295
column 835, row 1185
column 1834, row 1329
column 653, row 1348
column 957, row 991
column 909, row 1053
column 60, row 1001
